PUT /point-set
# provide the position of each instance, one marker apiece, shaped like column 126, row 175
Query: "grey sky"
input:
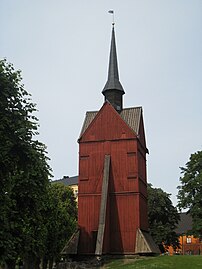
column 62, row 47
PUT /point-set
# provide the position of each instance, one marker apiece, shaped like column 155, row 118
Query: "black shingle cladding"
column 185, row 224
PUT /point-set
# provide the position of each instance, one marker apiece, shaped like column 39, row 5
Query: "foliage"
column 164, row 262
column 190, row 190
column 36, row 217
column 163, row 218
column 24, row 171
column 61, row 210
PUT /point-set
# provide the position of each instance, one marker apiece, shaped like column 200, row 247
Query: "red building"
column 112, row 196
column 189, row 244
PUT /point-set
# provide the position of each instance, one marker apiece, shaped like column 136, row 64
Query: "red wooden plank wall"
column 127, row 198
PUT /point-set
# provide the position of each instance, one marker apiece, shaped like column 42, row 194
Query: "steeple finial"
column 112, row 12
column 113, row 89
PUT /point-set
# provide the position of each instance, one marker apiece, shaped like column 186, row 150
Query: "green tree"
column 24, row 172
column 163, row 218
column 61, row 221
column 190, row 191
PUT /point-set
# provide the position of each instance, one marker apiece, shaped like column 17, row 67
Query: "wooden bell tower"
column 112, row 197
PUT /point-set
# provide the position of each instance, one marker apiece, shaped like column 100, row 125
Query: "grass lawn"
column 160, row 262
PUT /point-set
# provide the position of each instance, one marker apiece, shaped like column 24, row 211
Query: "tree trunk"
column 50, row 263
column 37, row 263
column 45, row 263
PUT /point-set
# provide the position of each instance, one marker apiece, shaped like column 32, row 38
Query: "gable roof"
column 68, row 181
column 185, row 224
column 131, row 116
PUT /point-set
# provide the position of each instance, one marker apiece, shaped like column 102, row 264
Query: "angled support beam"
column 72, row 244
column 145, row 243
column 103, row 207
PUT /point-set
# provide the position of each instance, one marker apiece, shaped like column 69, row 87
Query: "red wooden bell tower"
column 112, row 197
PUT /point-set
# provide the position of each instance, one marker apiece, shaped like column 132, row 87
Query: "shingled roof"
column 130, row 115
column 68, row 181
column 185, row 224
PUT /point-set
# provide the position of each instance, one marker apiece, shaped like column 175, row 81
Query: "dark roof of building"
column 130, row 115
column 113, row 82
column 68, row 181
column 185, row 224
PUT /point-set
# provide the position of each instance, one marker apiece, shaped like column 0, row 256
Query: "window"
column 188, row 240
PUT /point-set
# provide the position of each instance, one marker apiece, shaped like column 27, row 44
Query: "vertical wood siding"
column 127, row 204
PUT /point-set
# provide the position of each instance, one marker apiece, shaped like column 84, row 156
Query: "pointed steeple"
column 113, row 89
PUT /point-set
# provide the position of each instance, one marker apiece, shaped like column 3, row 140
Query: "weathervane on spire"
column 112, row 12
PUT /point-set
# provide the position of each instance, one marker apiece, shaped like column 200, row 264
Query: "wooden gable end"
column 141, row 133
column 107, row 125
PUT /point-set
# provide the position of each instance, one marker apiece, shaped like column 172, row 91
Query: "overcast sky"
column 62, row 48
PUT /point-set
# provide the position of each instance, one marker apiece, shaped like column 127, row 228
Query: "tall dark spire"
column 113, row 89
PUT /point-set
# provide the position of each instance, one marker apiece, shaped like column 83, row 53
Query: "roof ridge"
column 93, row 111
column 125, row 108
